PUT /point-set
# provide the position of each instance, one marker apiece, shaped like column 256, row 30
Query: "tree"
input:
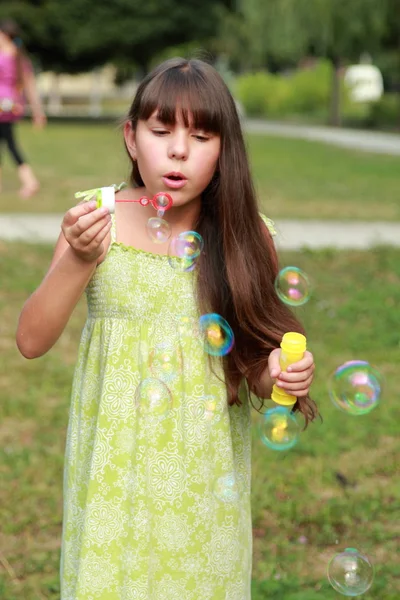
column 284, row 31
column 77, row 35
column 342, row 30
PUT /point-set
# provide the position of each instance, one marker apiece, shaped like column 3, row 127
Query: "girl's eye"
column 201, row 138
column 160, row 131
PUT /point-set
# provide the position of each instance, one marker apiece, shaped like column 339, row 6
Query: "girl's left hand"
column 298, row 377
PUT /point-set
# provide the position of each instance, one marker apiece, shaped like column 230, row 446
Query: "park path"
column 368, row 141
column 292, row 234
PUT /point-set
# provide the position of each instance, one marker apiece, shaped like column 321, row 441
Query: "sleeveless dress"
column 12, row 100
column 157, row 468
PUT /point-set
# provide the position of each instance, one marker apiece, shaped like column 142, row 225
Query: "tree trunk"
column 335, row 113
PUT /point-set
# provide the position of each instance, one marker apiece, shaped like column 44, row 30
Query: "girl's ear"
column 130, row 142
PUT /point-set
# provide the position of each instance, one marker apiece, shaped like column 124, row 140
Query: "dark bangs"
column 185, row 90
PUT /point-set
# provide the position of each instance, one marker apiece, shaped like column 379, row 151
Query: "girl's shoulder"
column 269, row 223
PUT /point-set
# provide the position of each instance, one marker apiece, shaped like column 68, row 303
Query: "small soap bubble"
column 217, row 334
column 186, row 325
column 162, row 202
column 355, row 387
column 293, row 286
column 184, row 250
column 158, row 230
column 226, row 489
column 153, row 399
column 279, row 429
column 210, row 407
column 350, row 573
column 165, row 361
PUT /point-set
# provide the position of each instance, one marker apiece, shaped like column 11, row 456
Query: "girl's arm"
column 29, row 82
column 78, row 251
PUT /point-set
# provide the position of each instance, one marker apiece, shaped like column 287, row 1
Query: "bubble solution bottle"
column 293, row 346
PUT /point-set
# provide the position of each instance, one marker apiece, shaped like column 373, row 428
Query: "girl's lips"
column 174, row 184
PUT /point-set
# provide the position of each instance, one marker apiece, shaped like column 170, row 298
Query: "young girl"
column 17, row 79
column 158, row 506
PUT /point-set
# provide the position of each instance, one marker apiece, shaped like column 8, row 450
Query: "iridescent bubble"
column 293, row 286
column 355, row 387
column 217, row 334
column 184, row 250
column 226, row 489
column 210, row 407
column 279, row 429
column 153, row 398
column 165, row 361
column 350, row 573
column 158, row 230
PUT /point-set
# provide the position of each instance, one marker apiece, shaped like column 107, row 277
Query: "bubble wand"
column 157, row 228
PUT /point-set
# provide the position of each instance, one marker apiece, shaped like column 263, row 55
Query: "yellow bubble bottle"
column 293, row 347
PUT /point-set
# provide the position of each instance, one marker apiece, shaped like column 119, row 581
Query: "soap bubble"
column 165, row 361
column 225, row 488
column 153, row 399
column 210, row 407
column 187, row 325
column 355, row 387
column 162, row 202
column 217, row 334
column 350, row 573
column 293, row 286
column 158, row 230
column 279, row 429
column 184, row 250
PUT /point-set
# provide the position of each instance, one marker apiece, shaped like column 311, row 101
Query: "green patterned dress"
column 156, row 506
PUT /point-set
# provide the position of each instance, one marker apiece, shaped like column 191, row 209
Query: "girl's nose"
column 178, row 147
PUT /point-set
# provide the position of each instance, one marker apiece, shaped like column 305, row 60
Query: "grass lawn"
column 302, row 514
column 294, row 178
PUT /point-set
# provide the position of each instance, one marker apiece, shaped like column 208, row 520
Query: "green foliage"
column 79, row 35
column 310, row 89
column 262, row 93
column 385, row 112
column 302, row 92
column 306, row 93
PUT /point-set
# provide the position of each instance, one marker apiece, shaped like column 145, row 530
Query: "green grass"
column 301, row 513
column 294, row 178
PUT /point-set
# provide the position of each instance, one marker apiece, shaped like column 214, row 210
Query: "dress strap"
column 269, row 223
column 113, row 230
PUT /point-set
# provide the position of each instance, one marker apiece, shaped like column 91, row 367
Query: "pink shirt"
column 11, row 96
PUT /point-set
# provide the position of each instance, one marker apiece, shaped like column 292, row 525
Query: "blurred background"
column 317, row 84
column 318, row 61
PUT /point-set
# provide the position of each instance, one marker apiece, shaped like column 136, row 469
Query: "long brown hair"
column 236, row 274
column 12, row 31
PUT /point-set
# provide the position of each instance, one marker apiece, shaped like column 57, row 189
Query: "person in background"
column 17, row 82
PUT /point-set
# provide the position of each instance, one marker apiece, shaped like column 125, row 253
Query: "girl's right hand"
column 85, row 228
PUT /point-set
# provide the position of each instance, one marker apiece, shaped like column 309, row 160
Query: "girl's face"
column 176, row 159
